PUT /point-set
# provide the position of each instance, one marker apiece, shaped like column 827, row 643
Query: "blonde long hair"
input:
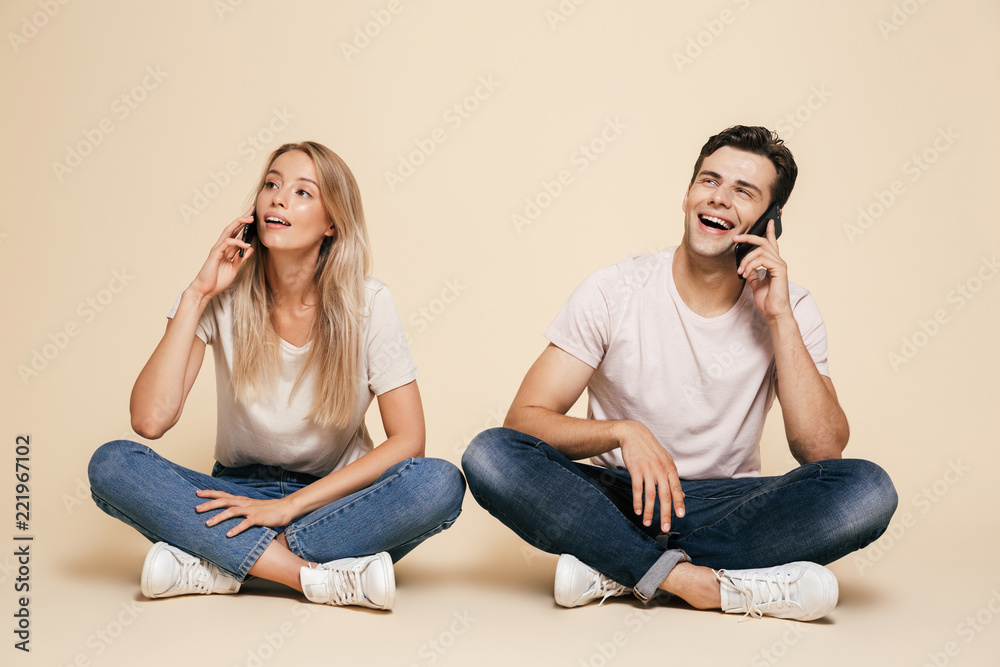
column 343, row 264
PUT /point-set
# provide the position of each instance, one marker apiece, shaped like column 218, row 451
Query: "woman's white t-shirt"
column 274, row 429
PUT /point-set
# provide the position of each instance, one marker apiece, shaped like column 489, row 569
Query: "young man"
column 682, row 353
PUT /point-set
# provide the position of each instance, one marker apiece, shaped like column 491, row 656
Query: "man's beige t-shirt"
column 703, row 386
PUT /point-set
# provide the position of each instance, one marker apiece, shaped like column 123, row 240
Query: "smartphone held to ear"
column 249, row 231
column 760, row 229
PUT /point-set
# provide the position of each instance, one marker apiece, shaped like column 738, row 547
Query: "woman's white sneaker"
column 800, row 591
column 367, row 582
column 578, row 584
column 169, row 571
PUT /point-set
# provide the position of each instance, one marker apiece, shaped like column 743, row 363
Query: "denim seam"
column 247, row 562
column 293, row 544
column 604, row 498
column 440, row 528
column 258, row 550
column 646, row 588
column 631, row 525
column 680, row 540
column 292, row 529
column 100, row 499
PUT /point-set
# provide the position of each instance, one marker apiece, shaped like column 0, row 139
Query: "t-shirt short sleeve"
column 208, row 328
column 390, row 364
column 582, row 327
column 811, row 327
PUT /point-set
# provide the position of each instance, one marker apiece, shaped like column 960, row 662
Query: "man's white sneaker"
column 800, row 591
column 367, row 582
column 577, row 583
column 168, row 571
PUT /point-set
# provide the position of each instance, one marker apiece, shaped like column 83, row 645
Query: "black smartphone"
column 760, row 229
column 249, row 230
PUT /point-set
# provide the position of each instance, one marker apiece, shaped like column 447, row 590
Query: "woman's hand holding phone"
column 249, row 230
column 225, row 258
column 162, row 387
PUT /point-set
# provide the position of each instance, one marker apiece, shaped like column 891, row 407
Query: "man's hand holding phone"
column 770, row 287
column 759, row 228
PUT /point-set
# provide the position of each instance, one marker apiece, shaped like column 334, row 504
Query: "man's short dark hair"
column 761, row 141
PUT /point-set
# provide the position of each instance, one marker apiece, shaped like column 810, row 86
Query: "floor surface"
column 475, row 595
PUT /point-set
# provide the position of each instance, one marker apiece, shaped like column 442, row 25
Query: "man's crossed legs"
column 815, row 514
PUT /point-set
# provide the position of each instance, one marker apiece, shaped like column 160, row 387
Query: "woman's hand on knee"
column 255, row 512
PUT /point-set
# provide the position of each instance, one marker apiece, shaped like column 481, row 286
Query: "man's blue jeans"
column 818, row 512
column 410, row 502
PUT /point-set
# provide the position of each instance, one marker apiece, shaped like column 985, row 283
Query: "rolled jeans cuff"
column 650, row 582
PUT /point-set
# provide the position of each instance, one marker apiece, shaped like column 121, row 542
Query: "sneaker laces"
column 758, row 585
column 195, row 575
column 345, row 583
column 608, row 587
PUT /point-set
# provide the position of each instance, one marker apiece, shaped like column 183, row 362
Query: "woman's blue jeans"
column 818, row 512
column 410, row 502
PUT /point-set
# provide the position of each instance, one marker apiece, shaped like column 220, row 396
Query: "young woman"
column 303, row 340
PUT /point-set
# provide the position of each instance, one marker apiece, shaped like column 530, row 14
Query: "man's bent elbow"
column 514, row 419
column 823, row 447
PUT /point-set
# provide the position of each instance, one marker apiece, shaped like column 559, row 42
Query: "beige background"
column 94, row 256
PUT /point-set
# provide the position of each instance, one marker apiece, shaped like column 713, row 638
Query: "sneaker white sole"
column 144, row 582
column 832, row 588
column 564, row 573
column 386, row 562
